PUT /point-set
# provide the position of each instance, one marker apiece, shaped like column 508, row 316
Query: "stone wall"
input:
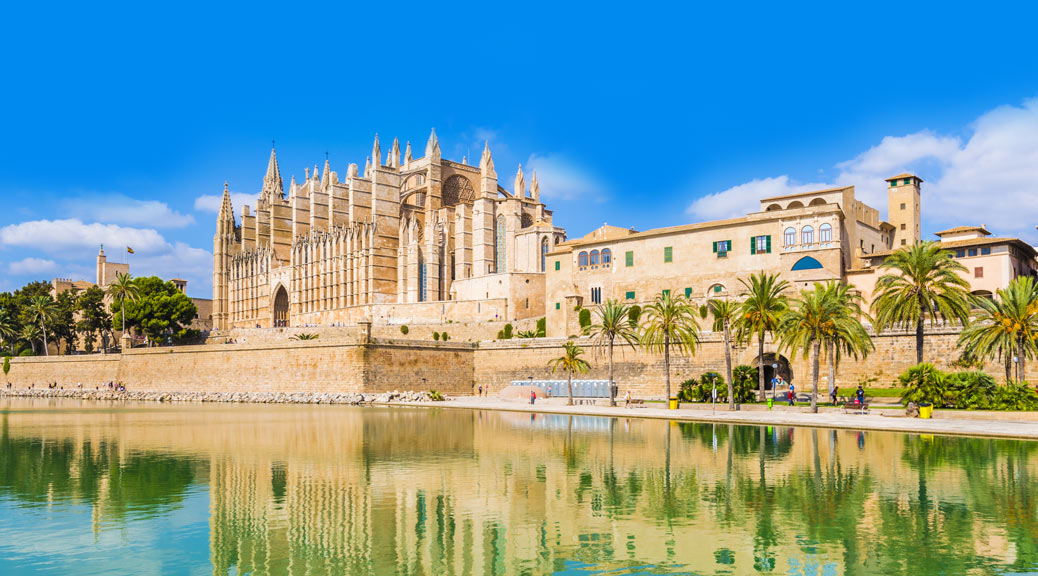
column 348, row 364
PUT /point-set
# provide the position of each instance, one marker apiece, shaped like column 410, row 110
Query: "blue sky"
column 118, row 119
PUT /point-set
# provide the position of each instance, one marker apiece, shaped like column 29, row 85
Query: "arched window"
column 594, row 257
column 499, row 240
column 807, row 263
column 789, row 236
column 825, row 233
column 807, row 235
column 582, row 259
column 544, row 255
column 607, row 256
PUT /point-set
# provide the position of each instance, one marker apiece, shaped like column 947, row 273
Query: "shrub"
column 686, row 392
column 435, row 396
column 26, row 352
column 508, row 331
column 1013, row 396
column 436, row 336
column 404, row 330
column 969, row 390
column 703, row 311
column 303, row 336
column 585, row 319
column 744, row 380
column 444, row 337
column 542, row 327
column 923, row 383
column 693, row 390
column 526, row 334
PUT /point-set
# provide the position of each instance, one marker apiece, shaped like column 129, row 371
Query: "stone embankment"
column 348, row 398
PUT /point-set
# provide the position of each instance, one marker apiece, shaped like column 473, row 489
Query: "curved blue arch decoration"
column 807, row 263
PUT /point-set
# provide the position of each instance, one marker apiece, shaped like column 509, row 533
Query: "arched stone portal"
column 775, row 364
column 281, row 307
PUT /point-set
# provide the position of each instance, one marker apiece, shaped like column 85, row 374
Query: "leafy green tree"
column 42, row 311
column 924, row 283
column 123, row 289
column 725, row 313
column 9, row 327
column 30, row 333
column 613, row 325
column 160, row 309
column 670, row 321
column 571, row 363
column 760, row 314
column 65, row 320
column 7, row 368
column 94, row 319
column 1005, row 326
column 542, row 327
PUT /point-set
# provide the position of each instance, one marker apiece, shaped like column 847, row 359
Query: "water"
column 237, row 489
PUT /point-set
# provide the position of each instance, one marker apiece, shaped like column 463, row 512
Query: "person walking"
column 792, row 394
column 860, row 395
column 533, row 397
column 627, row 399
column 480, row 390
column 832, row 394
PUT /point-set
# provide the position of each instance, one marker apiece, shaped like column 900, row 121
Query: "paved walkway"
column 833, row 419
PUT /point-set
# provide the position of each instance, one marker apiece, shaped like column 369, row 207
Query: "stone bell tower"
column 903, row 209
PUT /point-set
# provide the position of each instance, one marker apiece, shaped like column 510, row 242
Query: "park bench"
column 849, row 405
column 637, row 401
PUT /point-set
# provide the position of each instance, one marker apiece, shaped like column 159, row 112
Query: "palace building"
column 423, row 240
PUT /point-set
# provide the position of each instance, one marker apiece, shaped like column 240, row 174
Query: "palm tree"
column 807, row 324
column 8, row 328
column 725, row 313
column 30, row 333
column 924, row 283
column 848, row 335
column 123, row 289
column 614, row 323
column 1006, row 326
column 670, row 321
column 42, row 309
column 760, row 313
column 572, row 363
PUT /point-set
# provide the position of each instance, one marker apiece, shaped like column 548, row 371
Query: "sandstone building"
column 406, row 240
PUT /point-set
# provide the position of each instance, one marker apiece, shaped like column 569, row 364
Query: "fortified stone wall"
column 348, row 364
column 458, row 332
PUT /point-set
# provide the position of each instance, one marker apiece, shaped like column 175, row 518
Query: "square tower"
column 903, row 209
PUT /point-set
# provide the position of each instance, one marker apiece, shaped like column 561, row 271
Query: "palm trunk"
column 569, row 385
column 728, row 366
column 817, row 350
column 1021, row 369
column 760, row 364
column 666, row 362
column 919, row 334
column 612, row 390
column 43, row 328
column 1009, row 369
column 832, row 367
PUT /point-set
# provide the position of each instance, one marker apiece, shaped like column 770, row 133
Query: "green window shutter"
column 688, row 291
column 666, row 293
column 753, row 244
column 557, row 306
column 715, row 247
column 668, row 254
column 717, row 288
column 629, row 295
column 768, row 245
column 728, row 245
column 557, row 263
column 629, row 257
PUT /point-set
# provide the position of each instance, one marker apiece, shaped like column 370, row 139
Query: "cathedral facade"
column 408, row 240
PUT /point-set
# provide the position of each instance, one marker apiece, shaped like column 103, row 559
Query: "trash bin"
column 925, row 410
column 673, row 405
column 770, row 402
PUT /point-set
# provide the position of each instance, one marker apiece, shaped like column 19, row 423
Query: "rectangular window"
column 907, row 181
column 629, row 295
column 760, row 244
column 985, row 251
column 596, row 295
column 557, row 264
column 722, row 247
column 688, row 292
column 717, row 288
column 903, row 242
column 960, row 253
column 668, row 254
column 902, row 205
column 557, row 306
column 973, row 252
column 902, row 226
column 978, row 272
column 629, row 257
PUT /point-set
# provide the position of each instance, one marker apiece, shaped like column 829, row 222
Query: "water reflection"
column 333, row 490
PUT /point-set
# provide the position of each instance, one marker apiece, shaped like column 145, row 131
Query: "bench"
column 849, row 405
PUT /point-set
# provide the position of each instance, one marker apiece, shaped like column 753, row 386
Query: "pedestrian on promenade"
column 792, row 394
column 481, row 390
column 860, row 394
column 627, row 399
column 533, row 397
column 832, row 394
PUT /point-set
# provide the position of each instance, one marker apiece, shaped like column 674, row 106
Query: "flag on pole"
column 130, row 250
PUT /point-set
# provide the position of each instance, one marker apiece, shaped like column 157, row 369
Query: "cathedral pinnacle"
column 486, row 163
column 376, row 152
column 407, row 153
column 535, row 187
column 272, row 184
column 326, row 175
column 432, row 147
column 394, row 158
column 520, row 184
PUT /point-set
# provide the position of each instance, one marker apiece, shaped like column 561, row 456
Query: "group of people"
column 778, row 383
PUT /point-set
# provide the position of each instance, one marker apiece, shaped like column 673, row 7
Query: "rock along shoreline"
column 345, row 398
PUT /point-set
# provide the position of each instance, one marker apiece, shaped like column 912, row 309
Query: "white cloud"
column 559, row 178
column 74, row 236
column 211, row 202
column 32, row 266
column 738, row 200
column 120, row 209
column 178, row 260
column 990, row 178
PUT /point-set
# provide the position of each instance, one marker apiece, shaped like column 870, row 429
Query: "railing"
column 559, row 388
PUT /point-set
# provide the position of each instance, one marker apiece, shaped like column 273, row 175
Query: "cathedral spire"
column 395, row 154
column 432, row 147
column 367, row 167
column 535, row 188
column 486, row 163
column 226, row 215
column 407, row 153
column 326, row 176
column 272, row 184
column 376, row 152
column 520, row 184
